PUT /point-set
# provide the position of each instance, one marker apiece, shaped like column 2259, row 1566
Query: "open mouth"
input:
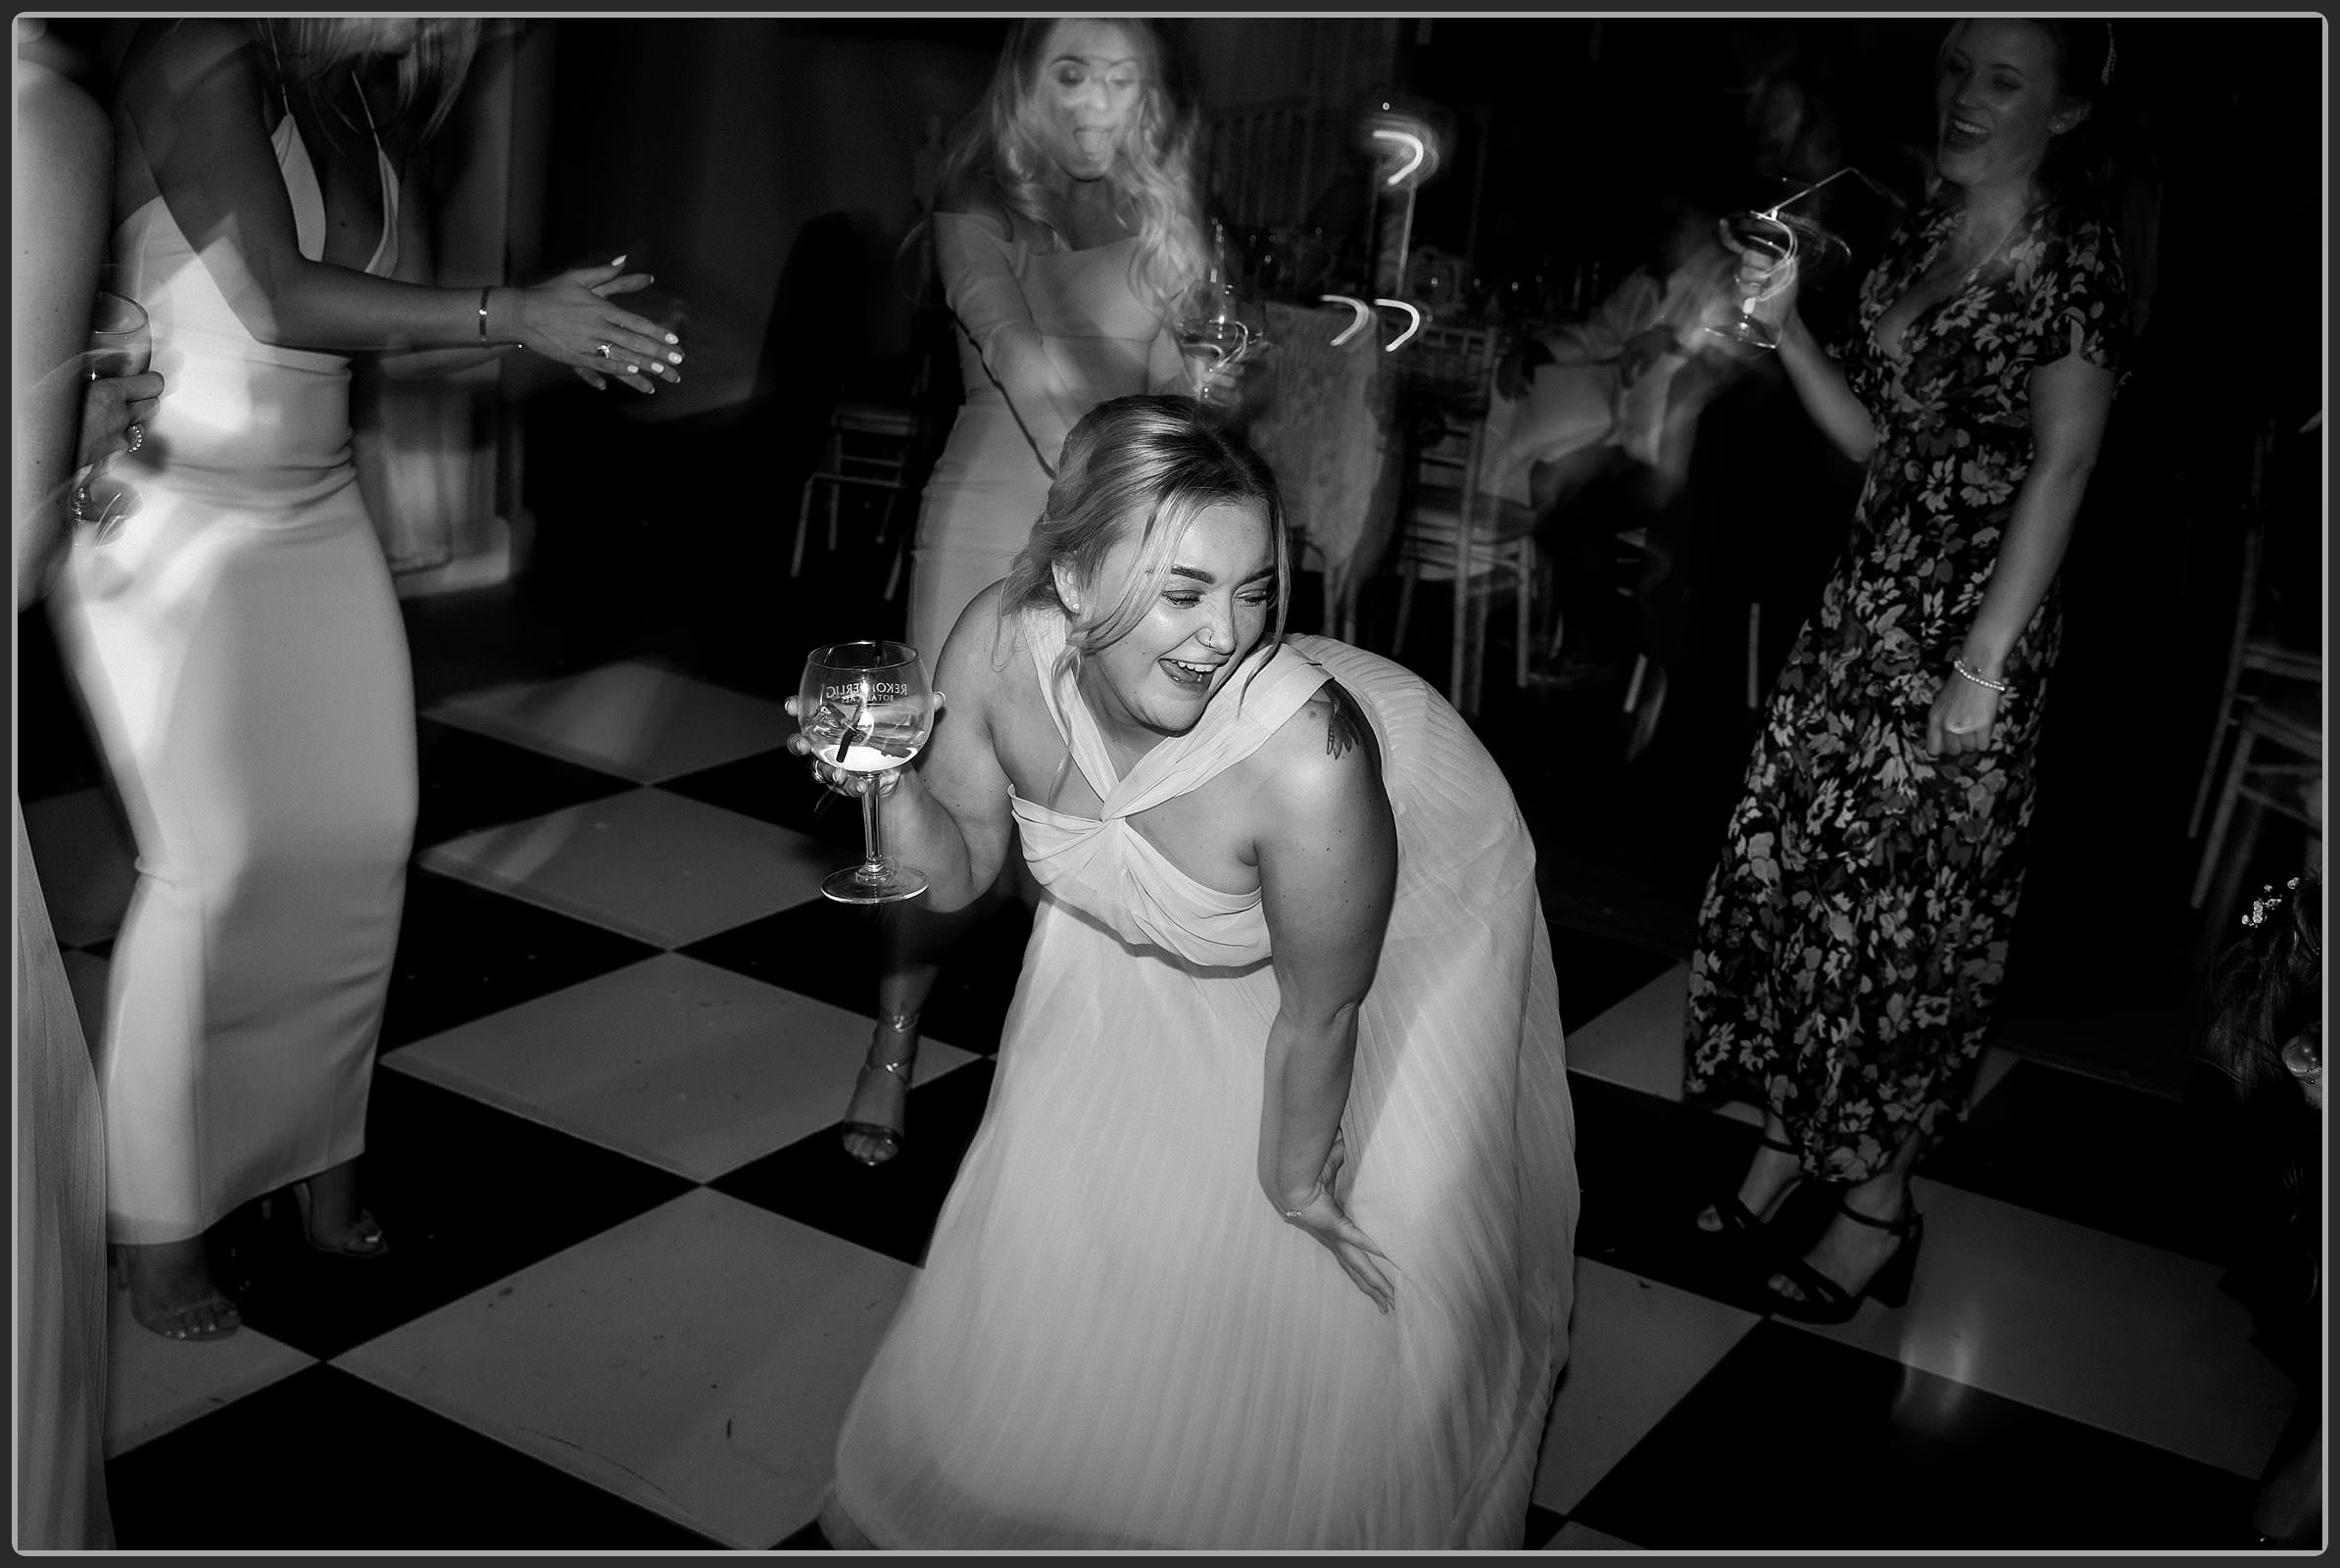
column 1192, row 676
column 1959, row 134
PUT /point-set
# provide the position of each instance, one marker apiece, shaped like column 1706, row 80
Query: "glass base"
column 1747, row 332
column 874, row 884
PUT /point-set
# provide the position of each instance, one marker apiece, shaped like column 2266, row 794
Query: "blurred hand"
column 1367, row 1265
column 568, row 319
column 110, row 406
column 1963, row 716
column 851, row 785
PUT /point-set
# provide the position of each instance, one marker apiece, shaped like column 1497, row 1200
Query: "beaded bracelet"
column 1295, row 1213
column 1978, row 677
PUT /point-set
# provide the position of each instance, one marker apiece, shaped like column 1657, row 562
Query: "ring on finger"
column 602, row 350
column 136, row 435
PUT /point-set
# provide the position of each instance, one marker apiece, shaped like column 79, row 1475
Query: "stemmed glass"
column 1225, row 330
column 1767, row 242
column 120, row 343
column 866, row 707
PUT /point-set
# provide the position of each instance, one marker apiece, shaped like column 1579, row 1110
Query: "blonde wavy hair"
column 1148, row 464
column 305, row 52
column 1000, row 153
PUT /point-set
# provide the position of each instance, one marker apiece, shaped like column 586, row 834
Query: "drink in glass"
column 866, row 707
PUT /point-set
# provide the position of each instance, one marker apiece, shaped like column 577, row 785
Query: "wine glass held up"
column 1765, row 245
column 866, row 709
column 120, row 343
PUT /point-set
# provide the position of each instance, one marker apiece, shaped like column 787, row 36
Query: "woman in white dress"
column 1067, row 234
column 1265, row 1241
column 237, row 643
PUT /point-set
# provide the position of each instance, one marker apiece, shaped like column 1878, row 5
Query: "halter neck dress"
column 240, row 651
column 1115, row 1341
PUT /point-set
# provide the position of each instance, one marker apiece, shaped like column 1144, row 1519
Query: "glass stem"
column 873, row 866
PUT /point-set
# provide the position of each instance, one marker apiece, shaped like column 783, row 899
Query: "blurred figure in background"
column 236, row 640
column 1853, row 937
column 65, row 422
column 1068, row 230
column 2266, row 1034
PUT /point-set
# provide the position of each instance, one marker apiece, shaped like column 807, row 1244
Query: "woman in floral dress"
column 1853, row 936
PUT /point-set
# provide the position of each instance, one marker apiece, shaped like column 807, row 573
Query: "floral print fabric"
column 1853, row 935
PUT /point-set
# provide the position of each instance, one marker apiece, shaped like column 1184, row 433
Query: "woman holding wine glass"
column 1852, row 938
column 1067, row 230
column 235, row 637
column 1265, row 1240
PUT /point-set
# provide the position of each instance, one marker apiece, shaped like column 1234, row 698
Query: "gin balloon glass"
column 867, row 708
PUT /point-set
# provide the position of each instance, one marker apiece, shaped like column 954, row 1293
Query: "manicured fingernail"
column 671, row 338
column 619, row 262
column 633, row 370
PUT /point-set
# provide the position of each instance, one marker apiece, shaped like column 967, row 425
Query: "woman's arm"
column 194, row 111
column 1821, row 387
column 1328, row 875
column 978, row 279
column 62, row 173
column 2072, row 399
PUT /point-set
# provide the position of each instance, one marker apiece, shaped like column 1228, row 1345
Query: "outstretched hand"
column 1368, row 1267
column 568, row 319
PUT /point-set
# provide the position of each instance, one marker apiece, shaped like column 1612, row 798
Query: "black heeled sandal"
column 888, row 1139
column 1827, row 1302
column 1742, row 1223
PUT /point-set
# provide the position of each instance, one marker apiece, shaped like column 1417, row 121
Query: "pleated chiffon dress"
column 1116, row 1341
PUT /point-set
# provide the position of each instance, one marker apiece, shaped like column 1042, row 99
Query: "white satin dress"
column 1116, row 1343
column 239, row 647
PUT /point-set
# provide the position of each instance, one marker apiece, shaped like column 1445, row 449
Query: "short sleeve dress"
column 1852, row 937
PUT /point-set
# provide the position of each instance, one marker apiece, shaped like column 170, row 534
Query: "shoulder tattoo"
column 1345, row 723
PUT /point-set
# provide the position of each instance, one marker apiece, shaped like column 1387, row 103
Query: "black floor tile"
column 325, row 1461
column 467, row 1193
column 889, row 1208
column 1596, row 973
column 465, row 952
column 776, row 787
column 1797, row 1444
column 2137, row 1165
column 1542, row 1525
column 55, row 754
column 1647, row 1166
column 473, row 781
column 834, row 951
column 809, row 1538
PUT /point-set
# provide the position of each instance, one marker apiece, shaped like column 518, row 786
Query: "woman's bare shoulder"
column 1323, row 757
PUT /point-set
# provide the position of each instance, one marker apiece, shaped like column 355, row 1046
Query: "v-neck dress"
column 1852, row 937
column 239, row 647
column 1116, row 1341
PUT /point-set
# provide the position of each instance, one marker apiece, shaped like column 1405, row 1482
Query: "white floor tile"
column 155, row 1385
column 651, row 864
column 1574, row 1536
column 698, row 1359
column 632, row 720
column 693, row 1068
column 87, row 863
column 1638, row 1043
column 1636, row 1347
column 2125, row 1338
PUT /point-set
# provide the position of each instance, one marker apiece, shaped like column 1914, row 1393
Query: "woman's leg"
column 1770, row 1174
column 1848, row 1252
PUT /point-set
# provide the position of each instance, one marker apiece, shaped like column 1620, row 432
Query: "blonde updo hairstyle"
column 998, row 156
column 1148, row 466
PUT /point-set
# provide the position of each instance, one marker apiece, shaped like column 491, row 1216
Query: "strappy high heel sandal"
column 1740, row 1223
column 1827, row 1302
column 887, row 1139
column 363, row 1241
column 183, row 1323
